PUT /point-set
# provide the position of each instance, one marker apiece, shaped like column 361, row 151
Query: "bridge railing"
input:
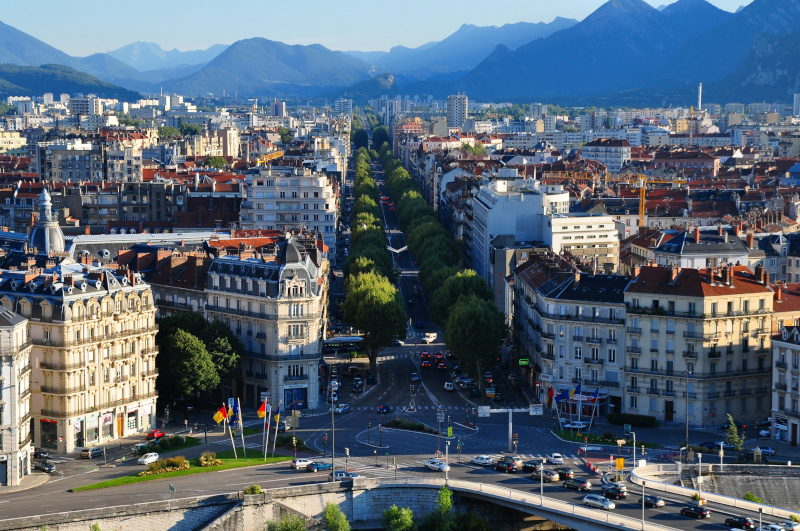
column 644, row 473
column 550, row 504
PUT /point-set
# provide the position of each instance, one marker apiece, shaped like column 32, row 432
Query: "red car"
column 442, row 366
column 425, row 364
column 155, row 434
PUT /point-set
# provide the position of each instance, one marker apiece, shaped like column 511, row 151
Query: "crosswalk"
column 405, row 408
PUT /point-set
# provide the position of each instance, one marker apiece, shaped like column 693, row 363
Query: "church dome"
column 46, row 236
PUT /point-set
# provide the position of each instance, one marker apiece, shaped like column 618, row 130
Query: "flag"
column 231, row 419
column 576, row 391
column 236, row 417
column 262, row 411
column 564, row 395
column 278, row 414
column 595, row 395
column 550, row 396
column 220, row 415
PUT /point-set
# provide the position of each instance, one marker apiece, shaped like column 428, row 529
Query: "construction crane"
column 641, row 181
column 263, row 159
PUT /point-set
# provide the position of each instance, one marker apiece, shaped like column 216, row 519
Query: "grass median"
column 603, row 439
column 254, row 458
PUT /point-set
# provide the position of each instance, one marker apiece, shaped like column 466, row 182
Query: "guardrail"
column 638, row 475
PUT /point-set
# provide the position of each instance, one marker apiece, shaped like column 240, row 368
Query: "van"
column 429, row 338
column 448, row 386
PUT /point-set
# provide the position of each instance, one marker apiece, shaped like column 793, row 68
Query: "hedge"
column 637, row 421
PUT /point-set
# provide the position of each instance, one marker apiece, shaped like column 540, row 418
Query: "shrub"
column 286, row 440
column 254, row 489
column 166, row 465
column 411, row 425
column 608, row 436
column 637, row 421
column 209, row 459
column 753, row 498
column 696, row 496
column 176, row 462
column 794, row 518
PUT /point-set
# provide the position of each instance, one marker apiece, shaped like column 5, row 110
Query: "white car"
column 341, row 408
column 598, row 502
column 770, row 527
column 767, row 450
column 764, row 434
column 578, row 425
column 300, row 462
column 790, row 526
column 435, row 464
column 555, row 459
column 483, row 460
column 146, row 459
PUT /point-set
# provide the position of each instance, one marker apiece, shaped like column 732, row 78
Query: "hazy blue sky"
column 83, row 27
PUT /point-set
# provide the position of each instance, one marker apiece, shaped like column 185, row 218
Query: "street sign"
column 620, row 463
column 483, row 411
column 524, row 362
column 627, row 429
column 536, row 409
column 440, row 416
column 171, row 488
column 264, row 396
column 449, row 431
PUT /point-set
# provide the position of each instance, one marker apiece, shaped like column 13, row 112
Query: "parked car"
column 790, row 526
column 770, row 527
column 384, row 408
column 555, row 458
column 598, row 502
column 652, row 501
column 435, row 464
column 94, row 451
column 40, row 454
column 548, row 476
column 740, row 522
column 155, row 434
column 764, row 434
column 341, row 475
column 532, row 466
column 765, row 450
column 342, row 408
column 300, row 462
column 565, row 472
column 696, row 511
column 483, row 460
column 318, row 465
column 281, row 426
column 577, row 484
column 615, row 493
column 709, row 445
column 44, row 466
column 146, row 459
column 505, row 465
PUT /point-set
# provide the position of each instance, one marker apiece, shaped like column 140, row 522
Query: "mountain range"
column 624, row 53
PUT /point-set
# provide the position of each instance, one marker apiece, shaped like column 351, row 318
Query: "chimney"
column 710, row 272
column 697, row 235
column 636, row 271
column 766, row 278
column 759, row 272
column 736, row 230
column 719, row 230
column 779, row 293
column 577, row 276
column 675, row 270
column 727, row 274
column 750, row 239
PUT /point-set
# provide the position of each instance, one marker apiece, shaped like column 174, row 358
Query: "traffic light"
column 347, row 452
column 586, row 439
column 370, row 425
column 294, row 441
column 515, row 438
column 394, row 461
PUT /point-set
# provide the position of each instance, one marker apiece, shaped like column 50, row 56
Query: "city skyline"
column 341, row 30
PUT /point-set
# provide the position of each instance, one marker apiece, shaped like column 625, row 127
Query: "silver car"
column 598, row 502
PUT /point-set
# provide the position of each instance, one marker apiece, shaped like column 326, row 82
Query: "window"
column 612, row 355
column 634, row 401
column 91, row 378
column 654, row 345
column 105, row 375
column 595, row 353
column 634, row 364
column 577, row 373
column 654, row 365
column 578, row 352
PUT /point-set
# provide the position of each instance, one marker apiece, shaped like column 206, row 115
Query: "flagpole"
column 277, row 421
column 230, row 432
column 241, row 427
column 267, row 415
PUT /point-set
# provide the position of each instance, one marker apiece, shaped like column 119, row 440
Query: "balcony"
column 730, row 393
column 62, row 366
column 548, row 356
column 781, row 365
column 577, row 338
column 780, row 387
column 653, row 391
column 714, row 395
column 745, row 392
column 700, row 335
column 63, row 343
column 690, row 354
column 611, row 340
column 669, row 392
column 633, row 350
column 579, row 318
column 596, row 340
column 633, row 390
column 654, row 331
column 714, row 354
column 691, row 395
column 632, row 330
column 301, row 378
column 61, row 390
column 596, row 361
column 148, row 374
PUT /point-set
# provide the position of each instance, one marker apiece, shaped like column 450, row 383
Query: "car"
column 548, row 476
column 397, row 343
column 384, row 408
column 727, row 425
column 740, row 522
column 532, row 466
column 425, row 356
column 790, row 526
column 505, row 465
column 652, row 501
column 94, row 451
column 425, row 364
column 40, row 454
column 139, row 448
column 436, row 464
column 410, row 302
column 448, row 386
column 725, row 445
column 318, row 465
column 709, row 445
column 414, row 377
column 577, row 484
column 155, row 434
column 696, row 511
column 497, row 397
column 146, row 459
column 300, row 462
column 771, row 527
column 44, row 466
column 334, row 397
column 765, row 450
column 764, row 434
column 341, row 475
column 598, row 502
column 417, row 290
column 438, row 357
column 463, row 383
column 419, row 323
column 341, row 408
column 483, row 460
column 282, row 426
column 615, row 493
column 442, row 366
column 565, row 472
column 517, row 459
column 555, row 458
column 430, row 337
column 577, row 425
column 615, row 485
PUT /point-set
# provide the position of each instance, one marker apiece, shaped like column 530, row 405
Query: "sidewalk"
column 31, row 481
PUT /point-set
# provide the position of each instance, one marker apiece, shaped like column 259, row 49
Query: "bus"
column 338, row 345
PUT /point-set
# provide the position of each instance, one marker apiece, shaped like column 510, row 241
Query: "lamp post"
column 686, row 433
column 760, row 510
column 541, row 483
column 633, row 457
column 446, row 457
column 700, row 475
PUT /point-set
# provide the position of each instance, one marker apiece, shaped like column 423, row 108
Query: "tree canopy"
column 285, row 134
column 193, row 370
column 216, row 162
column 359, row 138
column 473, row 332
column 380, row 135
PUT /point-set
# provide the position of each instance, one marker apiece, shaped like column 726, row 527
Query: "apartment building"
column 698, row 344
column 290, row 198
column 124, row 162
column 457, row 110
column 15, row 399
column 591, row 238
column 12, row 143
column 614, row 154
column 69, row 160
column 275, row 302
column 786, row 385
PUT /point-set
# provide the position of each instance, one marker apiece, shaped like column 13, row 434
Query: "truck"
column 429, row 338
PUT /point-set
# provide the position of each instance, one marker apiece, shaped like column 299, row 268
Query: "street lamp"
column 686, row 434
column 446, row 456
column 643, row 482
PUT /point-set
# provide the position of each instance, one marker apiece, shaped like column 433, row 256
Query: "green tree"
column 216, row 162
column 168, row 133
column 192, row 368
column 334, row 519
column 289, row 522
column 359, row 138
column 441, row 519
column 191, row 129
column 398, row 519
column 223, row 346
column 380, row 135
column 285, row 134
column 463, row 283
column 471, row 522
column 732, row 436
column 474, row 331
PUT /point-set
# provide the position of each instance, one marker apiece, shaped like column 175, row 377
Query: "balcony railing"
column 780, row 387
column 729, row 393
column 692, row 395
column 781, row 365
column 669, row 392
column 690, row 354
column 596, row 340
column 62, row 366
column 597, row 361
column 63, row 343
column 714, row 354
column 577, row 338
column 744, row 392
column 700, row 335
column 302, row 378
column 634, row 350
column 713, row 395
column 653, row 391
column 634, row 330
column 579, row 318
column 633, row 390
column 61, row 390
